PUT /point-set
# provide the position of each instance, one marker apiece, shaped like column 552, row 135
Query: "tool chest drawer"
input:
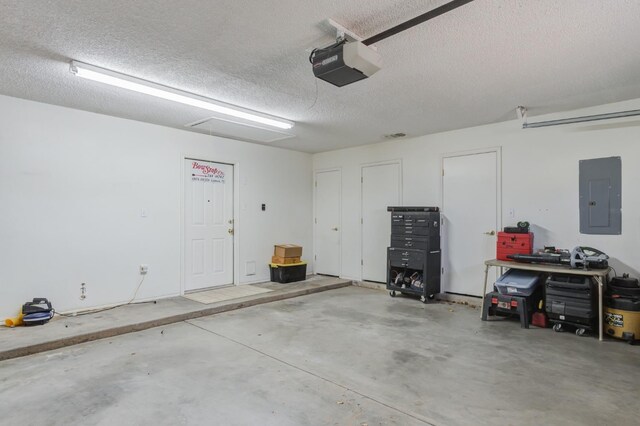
column 411, row 230
column 407, row 258
column 415, row 242
column 427, row 220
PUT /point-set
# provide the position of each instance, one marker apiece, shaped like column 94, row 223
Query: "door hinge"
column 361, row 179
column 361, row 262
column 361, row 221
column 316, row 184
column 442, row 271
column 442, row 172
column 316, row 220
column 315, row 257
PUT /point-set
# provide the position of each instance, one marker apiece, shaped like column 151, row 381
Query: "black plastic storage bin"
column 288, row 273
column 571, row 299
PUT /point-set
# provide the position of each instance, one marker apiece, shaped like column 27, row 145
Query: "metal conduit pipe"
column 583, row 119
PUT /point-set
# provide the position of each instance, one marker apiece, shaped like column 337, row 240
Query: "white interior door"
column 470, row 211
column 208, row 214
column 327, row 222
column 380, row 188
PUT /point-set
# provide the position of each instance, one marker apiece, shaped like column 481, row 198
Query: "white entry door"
column 327, row 222
column 470, row 212
column 208, row 214
column 381, row 187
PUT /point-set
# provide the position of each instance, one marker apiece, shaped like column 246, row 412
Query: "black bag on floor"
column 37, row 312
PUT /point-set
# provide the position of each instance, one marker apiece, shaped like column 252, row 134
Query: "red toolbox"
column 509, row 243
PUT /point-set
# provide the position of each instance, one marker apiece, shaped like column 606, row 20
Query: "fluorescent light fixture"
column 148, row 88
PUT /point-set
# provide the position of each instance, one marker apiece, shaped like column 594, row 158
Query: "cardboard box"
column 287, row 250
column 284, row 260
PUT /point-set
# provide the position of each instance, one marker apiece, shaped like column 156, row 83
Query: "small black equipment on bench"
column 571, row 300
column 37, row 312
column 521, row 228
column 580, row 257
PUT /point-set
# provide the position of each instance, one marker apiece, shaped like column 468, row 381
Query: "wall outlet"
column 144, row 269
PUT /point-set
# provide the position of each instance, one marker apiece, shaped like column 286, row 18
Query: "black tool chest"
column 413, row 257
column 571, row 300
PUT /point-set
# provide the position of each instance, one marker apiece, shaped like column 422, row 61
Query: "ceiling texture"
column 471, row 66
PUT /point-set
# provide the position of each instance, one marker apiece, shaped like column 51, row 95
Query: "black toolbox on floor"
column 571, row 299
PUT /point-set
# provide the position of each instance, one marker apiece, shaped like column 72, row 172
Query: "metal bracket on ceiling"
column 343, row 32
column 521, row 113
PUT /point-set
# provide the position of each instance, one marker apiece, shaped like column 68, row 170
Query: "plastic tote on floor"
column 288, row 273
column 519, row 283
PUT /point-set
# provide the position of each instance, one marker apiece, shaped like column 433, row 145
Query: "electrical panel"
column 601, row 196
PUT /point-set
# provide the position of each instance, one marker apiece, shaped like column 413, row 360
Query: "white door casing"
column 381, row 187
column 470, row 210
column 208, row 219
column 327, row 220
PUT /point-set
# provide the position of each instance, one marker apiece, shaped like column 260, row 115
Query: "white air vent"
column 239, row 129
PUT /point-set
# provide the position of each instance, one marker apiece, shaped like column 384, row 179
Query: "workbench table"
column 599, row 275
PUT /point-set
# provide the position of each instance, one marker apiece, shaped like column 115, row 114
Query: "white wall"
column 72, row 186
column 539, row 178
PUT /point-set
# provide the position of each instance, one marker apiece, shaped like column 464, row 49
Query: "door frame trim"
column 315, row 194
column 397, row 161
column 494, row 149
column 236, row 217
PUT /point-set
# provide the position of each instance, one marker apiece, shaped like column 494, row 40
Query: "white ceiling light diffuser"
column 152, row 89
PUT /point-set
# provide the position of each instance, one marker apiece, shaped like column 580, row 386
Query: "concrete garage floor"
column 350, row 356
column 66, row 331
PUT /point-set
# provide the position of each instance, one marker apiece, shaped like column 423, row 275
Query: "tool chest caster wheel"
column 423, row 299
column 580, row 331
column 392, row 293
column 557, row 327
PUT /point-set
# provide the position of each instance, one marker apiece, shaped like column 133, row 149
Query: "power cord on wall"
column 95, row 311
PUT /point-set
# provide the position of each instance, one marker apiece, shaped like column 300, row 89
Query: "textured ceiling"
column 469, row 67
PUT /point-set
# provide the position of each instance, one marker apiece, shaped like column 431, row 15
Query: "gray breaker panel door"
column 601, row 196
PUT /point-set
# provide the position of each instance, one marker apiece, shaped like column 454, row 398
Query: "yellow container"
column 622, row 323
column 12, row 322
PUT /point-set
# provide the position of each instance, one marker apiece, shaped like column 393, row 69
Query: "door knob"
column 334, row 229
column 490, row 233
column 230, row 231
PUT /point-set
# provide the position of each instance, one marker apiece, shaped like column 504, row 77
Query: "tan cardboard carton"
column 287, row 250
